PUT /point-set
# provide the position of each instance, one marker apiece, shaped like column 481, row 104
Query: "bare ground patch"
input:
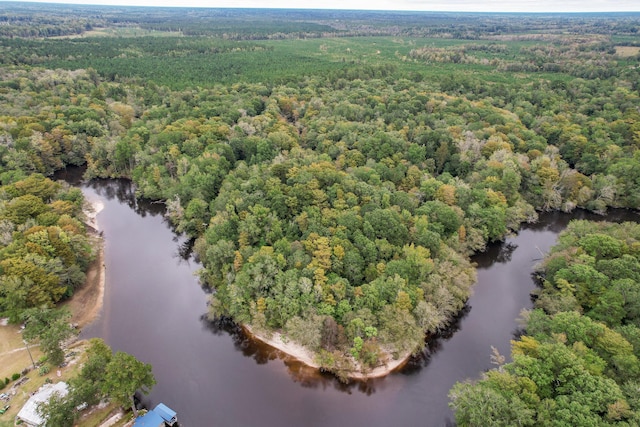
column 86, row 303
column 627, row 51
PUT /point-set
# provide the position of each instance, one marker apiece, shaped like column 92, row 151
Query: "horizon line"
column 117, row 3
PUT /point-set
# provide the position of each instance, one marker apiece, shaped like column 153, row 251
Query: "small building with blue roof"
column 150, row 419
column 160, row 416
column 168, row 415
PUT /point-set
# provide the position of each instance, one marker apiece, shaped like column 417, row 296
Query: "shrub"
column 15, row 376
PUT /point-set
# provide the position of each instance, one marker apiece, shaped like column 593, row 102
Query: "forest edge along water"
column 155, row 309
column 86, row 303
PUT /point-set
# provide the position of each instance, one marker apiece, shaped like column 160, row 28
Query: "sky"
column 418, row 5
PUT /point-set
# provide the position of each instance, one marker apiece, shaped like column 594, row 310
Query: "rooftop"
column 168, row 414
column 29, row 412
column 150, row 419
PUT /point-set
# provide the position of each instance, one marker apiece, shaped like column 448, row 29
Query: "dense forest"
column 44, row 246
column 577, row 363
column 336, row 169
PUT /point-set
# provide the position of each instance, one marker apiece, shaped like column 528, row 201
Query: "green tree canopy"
column 51, row 328
column 124, row 375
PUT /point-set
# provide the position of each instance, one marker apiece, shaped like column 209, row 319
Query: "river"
column 214, row 376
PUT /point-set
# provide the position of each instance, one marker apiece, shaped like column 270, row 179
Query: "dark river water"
column 214, row 376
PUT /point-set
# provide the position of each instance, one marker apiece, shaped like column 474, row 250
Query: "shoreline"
column 95, row 207
column 295, row 351
column 87, row 302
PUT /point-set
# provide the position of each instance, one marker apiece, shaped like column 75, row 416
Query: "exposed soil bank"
column 86, row 302
column 301, row 354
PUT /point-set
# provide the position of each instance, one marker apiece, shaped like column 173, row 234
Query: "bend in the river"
column 211, row 374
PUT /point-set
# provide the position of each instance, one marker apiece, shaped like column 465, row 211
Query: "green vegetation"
column 594, row 269
column 335, row 168
column 51, row 328
column 123, row 376
column 44, row 246
column 104, row 375
column 571, row 368
column 32, row 379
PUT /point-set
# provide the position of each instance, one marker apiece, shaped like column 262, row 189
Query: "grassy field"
column 13, row 354
column 12, row 361
column 120, row 32
column 627, row 51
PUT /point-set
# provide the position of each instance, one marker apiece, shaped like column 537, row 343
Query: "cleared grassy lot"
column 14, row 358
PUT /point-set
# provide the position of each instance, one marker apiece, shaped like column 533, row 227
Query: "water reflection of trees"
column 499, row 252
column 124, row 192
column 505, row 252
column 185, row 248
column 309, row 377
column 300, row 373
column 558, row 221
column 434, row 343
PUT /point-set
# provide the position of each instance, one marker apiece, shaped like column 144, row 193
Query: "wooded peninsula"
column 336, row 170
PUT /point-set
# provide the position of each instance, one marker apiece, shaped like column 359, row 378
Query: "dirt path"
column 16, row 350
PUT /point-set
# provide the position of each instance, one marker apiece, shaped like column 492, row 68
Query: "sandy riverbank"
column 95, row 207
column 86, row 303
column 299, row 353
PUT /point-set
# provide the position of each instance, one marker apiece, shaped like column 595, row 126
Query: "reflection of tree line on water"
column 499, row 252
column 123, row 191
column 300, row 373
column 120, row 189
column 313, row 378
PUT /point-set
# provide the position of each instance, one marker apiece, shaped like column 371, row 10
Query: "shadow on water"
column 72, row 175
column 417, row 391
column 495, row 253
column 500, row 252
column 123, row 190
column 312, row 378
column 120, row 189
column 558, row 221
column 300, row 373
column 185, row 249
column 434, row 343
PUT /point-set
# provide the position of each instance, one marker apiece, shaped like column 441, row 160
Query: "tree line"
column 45, row 248
column 577, row 360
